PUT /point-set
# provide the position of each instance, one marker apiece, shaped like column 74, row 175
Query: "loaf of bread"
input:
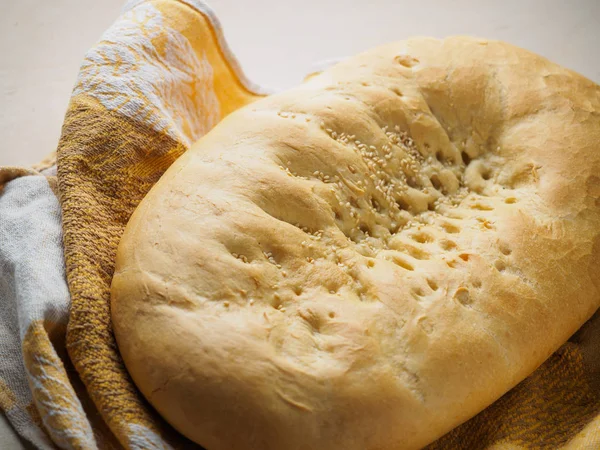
column 369, row 259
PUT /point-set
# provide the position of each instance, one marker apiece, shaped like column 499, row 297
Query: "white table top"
column 42, row 44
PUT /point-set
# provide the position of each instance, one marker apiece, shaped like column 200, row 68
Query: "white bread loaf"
column 369, row 259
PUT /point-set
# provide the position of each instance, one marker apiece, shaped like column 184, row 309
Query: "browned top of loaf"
column 371, row 258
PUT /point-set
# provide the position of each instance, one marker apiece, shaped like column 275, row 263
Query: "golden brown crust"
column 367, row 260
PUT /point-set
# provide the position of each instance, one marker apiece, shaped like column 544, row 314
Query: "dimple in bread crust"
column 371, row 258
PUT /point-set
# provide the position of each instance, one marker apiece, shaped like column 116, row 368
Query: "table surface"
column 42, row 45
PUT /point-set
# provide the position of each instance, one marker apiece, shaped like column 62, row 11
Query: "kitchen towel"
column 159, row 78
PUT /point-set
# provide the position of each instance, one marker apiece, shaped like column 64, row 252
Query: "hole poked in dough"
column 406, row 60
column 450, row 228
column 401, row 262
column 465, row 158
column 402, row 204
column 419, row 292
column 504, row 248
column 447, row 245
column 432, row 284
column 500, row 265
column 463, row 296
column 481, row 207
column 436, row 183
column 422, row 237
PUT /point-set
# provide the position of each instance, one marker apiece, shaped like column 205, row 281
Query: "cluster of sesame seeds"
column 398, row 136
column 240, row 257
column 326, row 178
column 378, row 189
column 270, row 258
column 292, row 174
column 285, row 114
column 387, row 176
column 338, row 260
column 381, row 174
column 411, row 162
column 306, row 244
column 315, row 235
column 342, row 138
column 454, row 200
